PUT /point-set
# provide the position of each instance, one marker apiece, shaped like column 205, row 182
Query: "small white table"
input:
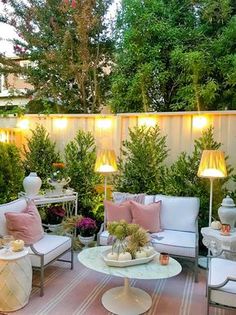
column 216, row 242
column 127, row 300
column 15, row 280
column 68, row 200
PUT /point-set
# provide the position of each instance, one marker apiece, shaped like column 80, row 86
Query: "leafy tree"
column 80, row 156
column 175, row 55
column 182, row 179
column 40, row 153
column 11, row 172
column 141, row 164
column 67, row 45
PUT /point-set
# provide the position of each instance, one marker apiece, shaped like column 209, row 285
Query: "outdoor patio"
column 117, row 157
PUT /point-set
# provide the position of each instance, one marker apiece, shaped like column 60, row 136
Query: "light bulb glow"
column 60, row 123
column 23, row 124
column 104, row 123
column 146, row 122
column 199, row 122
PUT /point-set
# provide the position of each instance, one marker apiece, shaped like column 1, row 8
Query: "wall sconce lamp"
column 104, row 123
column 147, row 122
column 60, row 123
column 199, row 122
column 23, row 124
column 105, row 164
column 212, row 165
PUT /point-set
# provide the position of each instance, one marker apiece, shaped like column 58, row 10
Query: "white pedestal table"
column 127, row 300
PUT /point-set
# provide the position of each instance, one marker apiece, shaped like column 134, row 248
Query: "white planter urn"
column 32, row 184
column 227, row 212
column 86, row 240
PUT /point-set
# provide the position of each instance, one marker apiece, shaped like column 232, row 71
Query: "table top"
column 52, row 198
column 92, row 259
column 208, row 231
column 12, row 255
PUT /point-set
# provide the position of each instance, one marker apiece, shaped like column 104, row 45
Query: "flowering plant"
column 86, row 227
column 55, row 214
column 58, row 171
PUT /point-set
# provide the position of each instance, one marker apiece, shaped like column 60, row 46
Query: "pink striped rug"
column 79, row 292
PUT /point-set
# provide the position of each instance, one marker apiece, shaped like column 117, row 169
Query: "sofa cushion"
column 178, row 213
column 117, row 212
column 149, row 199
column 219, row 270
column 175, row 242
column 147, row 216
column 51, row 246
column 25, row 225
column 14, row 206
column 119, row 197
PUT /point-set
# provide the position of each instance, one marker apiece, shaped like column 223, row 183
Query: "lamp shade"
column 106, row 162
column 212, row 164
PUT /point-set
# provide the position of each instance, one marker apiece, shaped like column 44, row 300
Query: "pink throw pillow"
column 147, row 216
column 25, row 225
column 117, row 212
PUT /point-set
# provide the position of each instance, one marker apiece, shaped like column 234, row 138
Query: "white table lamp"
column 106, row 164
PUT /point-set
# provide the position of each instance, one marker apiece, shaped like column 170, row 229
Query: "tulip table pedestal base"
column 126, row 300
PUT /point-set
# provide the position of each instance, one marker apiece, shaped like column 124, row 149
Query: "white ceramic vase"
column 86, row 240
column 32, row 184
column 227, row 212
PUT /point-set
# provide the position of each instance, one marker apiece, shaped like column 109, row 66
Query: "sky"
column 7, row 32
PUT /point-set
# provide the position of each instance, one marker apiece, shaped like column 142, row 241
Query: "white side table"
column 15, row 280
column 216, row 242
column 68, row 200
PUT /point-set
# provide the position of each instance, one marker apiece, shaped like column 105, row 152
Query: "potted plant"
column 86, row 228
column 58, row 178
column 53, row 217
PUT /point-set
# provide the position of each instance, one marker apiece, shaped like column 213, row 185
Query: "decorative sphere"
column 112, row 256
column 140, row 254
column 216, row 225
column 149, row 250
column 124, row 256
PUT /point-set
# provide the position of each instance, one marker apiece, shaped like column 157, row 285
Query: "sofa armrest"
column 102, row 228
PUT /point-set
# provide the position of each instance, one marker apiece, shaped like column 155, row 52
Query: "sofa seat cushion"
column 175, row 242
column 220, row 269
column 51, row 246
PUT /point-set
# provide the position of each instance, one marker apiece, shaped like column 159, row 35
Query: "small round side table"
column 15, row 280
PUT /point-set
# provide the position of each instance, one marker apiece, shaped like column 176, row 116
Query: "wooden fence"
column 181, row 128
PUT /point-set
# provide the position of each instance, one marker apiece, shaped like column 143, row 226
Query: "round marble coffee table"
column 127, row 300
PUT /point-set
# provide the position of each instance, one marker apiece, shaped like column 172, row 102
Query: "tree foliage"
column 141, row 166
column 175, row 55
column 67, row 45
column 11, row 172
column 80, row 157
column 182, row 179
column 40, row 153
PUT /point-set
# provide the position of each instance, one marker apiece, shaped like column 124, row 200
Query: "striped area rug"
column 79, row 292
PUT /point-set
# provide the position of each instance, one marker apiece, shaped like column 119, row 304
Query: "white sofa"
column 48, row 249
column 179, row 224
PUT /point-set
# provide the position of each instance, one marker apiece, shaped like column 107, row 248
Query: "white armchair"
column 221, row 283
column 46, row 250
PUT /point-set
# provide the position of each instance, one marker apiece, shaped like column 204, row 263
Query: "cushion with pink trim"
column 25, row 225
column 117, row 212
column 147, row 216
